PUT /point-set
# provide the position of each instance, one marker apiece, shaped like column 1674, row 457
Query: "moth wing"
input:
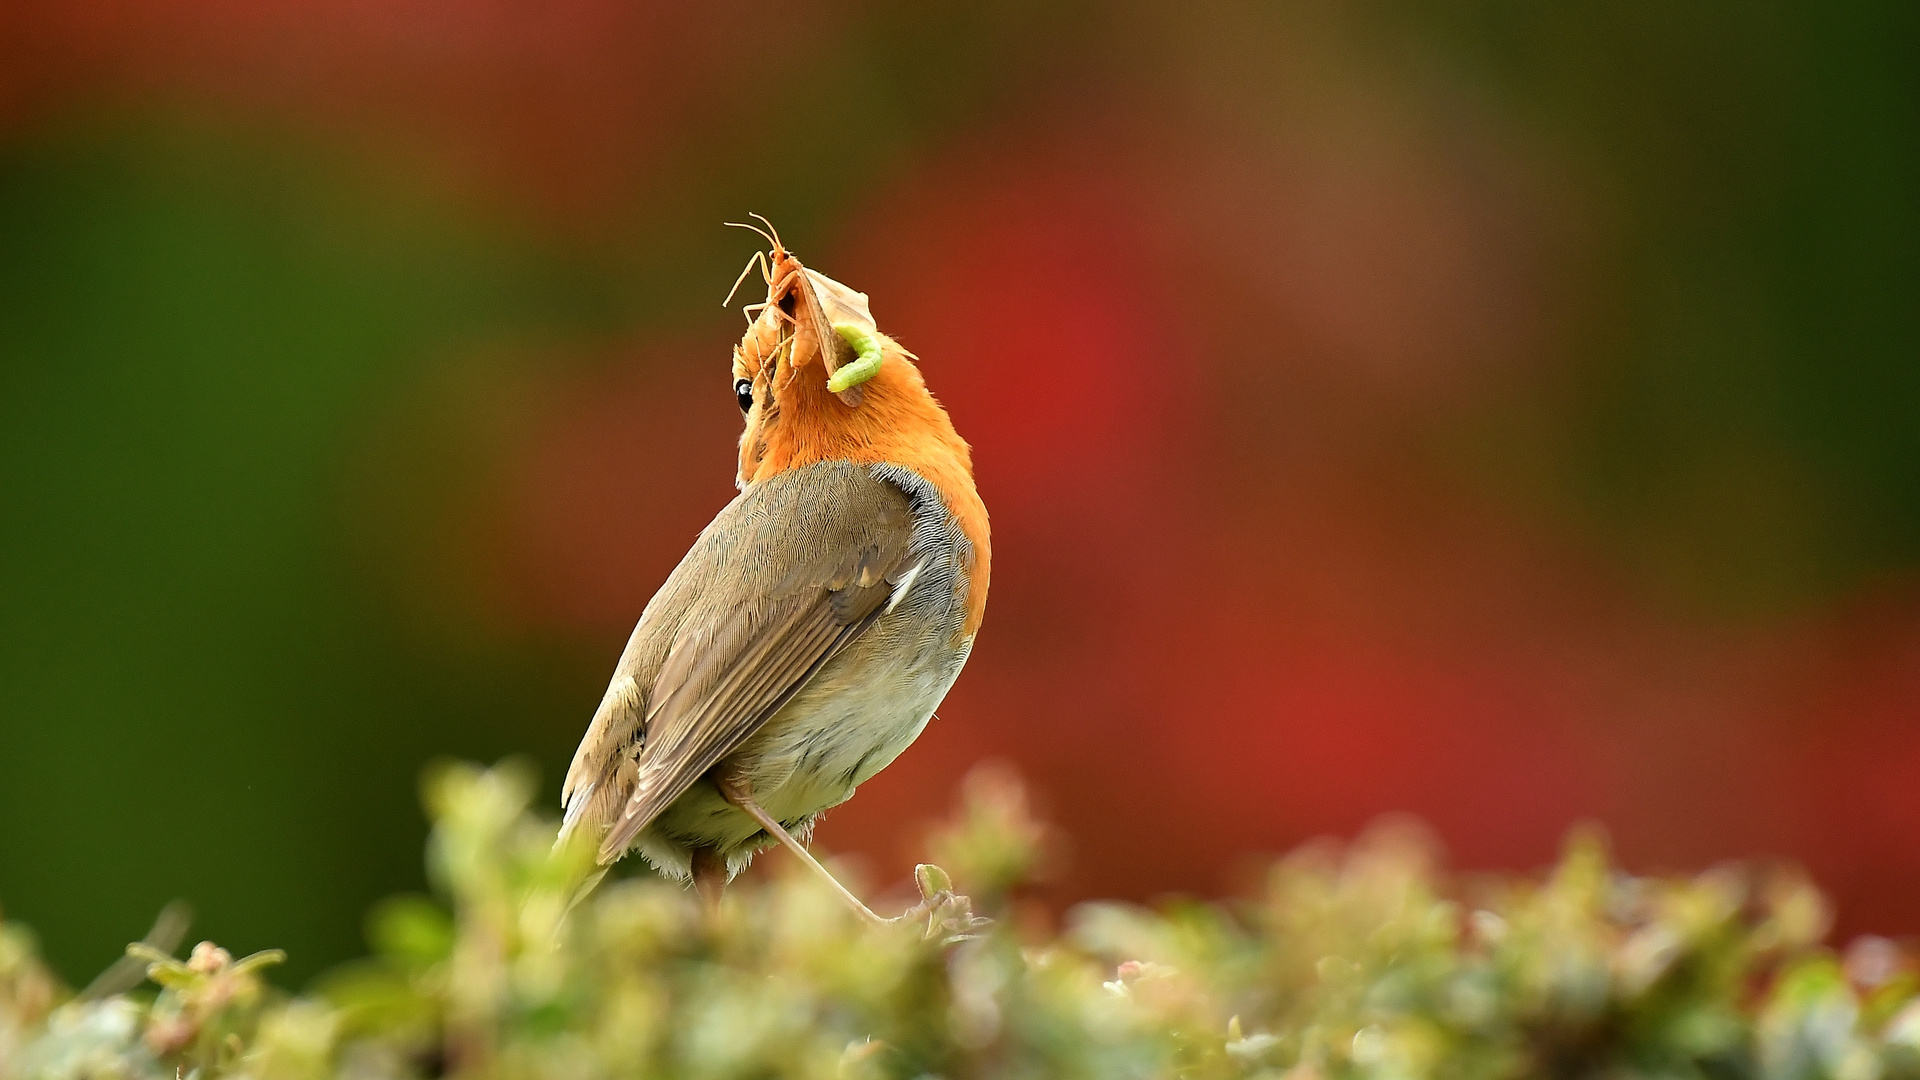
column 826, row 303
column 840, row 303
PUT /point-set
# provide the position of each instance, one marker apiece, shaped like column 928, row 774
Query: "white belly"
column 852, row 719
column 850, row 722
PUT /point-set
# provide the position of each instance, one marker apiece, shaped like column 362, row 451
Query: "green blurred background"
column 1507, row 413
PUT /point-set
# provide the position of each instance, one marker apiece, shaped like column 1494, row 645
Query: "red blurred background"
column 1496, row 415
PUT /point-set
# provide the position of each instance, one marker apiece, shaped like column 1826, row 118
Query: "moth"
column 812, row 315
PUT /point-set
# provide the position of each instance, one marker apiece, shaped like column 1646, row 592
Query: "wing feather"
column 792, row 572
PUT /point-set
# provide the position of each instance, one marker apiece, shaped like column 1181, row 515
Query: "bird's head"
column 817, row 381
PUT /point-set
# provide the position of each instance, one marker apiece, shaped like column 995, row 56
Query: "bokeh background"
column 1505, row 413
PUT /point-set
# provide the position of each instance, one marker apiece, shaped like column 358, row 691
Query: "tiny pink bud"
column 209, row 959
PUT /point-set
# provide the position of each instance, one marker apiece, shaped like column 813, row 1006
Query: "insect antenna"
column 771, row 238
column 776, row 232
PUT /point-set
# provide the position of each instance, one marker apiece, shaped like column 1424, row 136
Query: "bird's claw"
column 948, row 915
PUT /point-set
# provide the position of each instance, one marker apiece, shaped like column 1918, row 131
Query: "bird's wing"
column 783, row 579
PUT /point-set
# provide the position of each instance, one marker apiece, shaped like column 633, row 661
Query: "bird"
column 807, row 637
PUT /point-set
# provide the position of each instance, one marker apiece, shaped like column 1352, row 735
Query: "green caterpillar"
column 865, row 366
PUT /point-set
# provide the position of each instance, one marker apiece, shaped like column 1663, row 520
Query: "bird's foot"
column 947, row 916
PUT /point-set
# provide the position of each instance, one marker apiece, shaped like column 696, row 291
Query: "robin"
column 818, row 621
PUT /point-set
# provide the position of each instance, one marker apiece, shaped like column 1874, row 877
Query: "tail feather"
column 586, row 887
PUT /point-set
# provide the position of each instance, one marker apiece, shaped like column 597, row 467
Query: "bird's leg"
column 709, row 877
column 736, row 792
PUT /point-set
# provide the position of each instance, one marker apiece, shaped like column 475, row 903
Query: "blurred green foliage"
column 1367, row 962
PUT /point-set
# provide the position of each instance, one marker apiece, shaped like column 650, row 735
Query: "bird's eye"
column 743, row 390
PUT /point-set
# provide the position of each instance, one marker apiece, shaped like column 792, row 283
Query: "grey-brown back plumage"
column 786, row 576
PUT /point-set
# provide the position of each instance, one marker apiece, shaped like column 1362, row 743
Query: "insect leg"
column 758, row 257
